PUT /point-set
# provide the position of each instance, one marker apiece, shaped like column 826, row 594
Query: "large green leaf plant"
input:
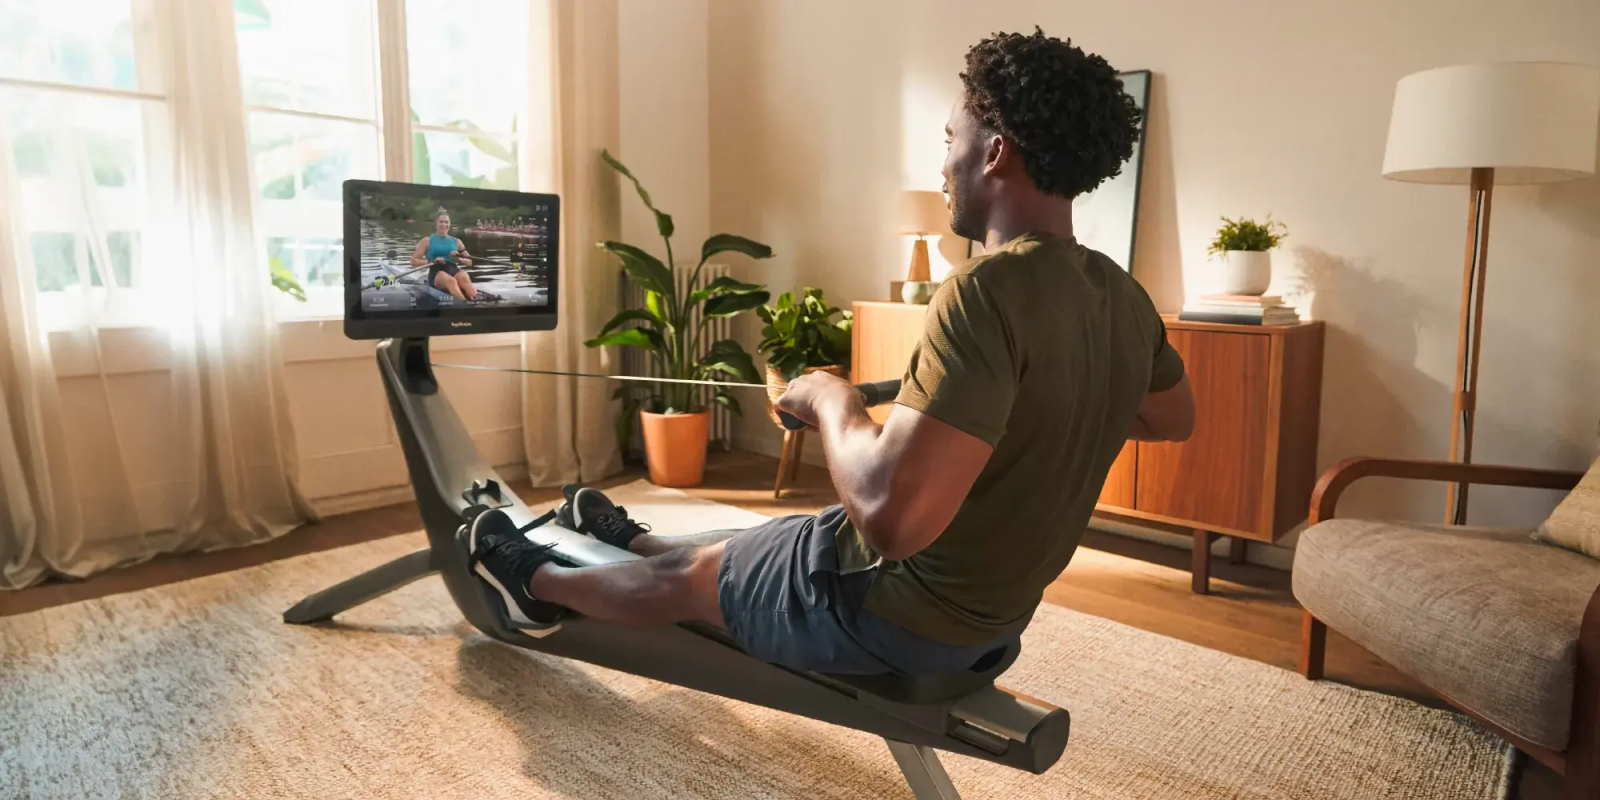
column 672, row 324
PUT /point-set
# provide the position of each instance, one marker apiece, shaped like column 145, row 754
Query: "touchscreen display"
column 448, row 251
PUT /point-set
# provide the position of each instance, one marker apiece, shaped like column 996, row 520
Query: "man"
column 1039, row 360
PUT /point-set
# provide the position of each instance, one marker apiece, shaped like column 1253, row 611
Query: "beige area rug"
column 199, row 690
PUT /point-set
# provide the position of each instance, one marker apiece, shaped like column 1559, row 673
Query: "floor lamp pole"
column 1474, row 272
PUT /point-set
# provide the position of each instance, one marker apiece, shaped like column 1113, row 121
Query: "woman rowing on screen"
column 445, row 256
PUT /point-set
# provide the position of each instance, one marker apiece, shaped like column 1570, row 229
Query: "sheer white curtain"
column 569, row 424
column 225, row 434
column 46, row 524
column 237, row 464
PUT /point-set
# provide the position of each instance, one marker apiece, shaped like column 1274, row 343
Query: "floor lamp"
column 1479, row 125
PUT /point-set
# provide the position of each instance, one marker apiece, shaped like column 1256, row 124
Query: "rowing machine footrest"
column 925, row 690
column 487, row 493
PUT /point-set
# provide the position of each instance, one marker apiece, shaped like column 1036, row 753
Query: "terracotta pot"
column 675, row 447
column 776, row 385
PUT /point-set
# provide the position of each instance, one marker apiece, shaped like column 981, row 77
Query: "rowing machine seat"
column 922, row 690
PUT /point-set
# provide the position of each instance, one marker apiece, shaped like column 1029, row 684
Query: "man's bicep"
column 935, row 466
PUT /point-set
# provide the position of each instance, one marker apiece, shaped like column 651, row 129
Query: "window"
column 84, row 108
column 315, row 118
column 85, row 119
column 468, row 65
column 309, row 69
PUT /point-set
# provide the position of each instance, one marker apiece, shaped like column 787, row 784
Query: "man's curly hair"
column 1065, row 109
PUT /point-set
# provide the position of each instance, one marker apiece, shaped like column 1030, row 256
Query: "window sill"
column 131, row 348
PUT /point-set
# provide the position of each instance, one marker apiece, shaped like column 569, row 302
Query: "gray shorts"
column 785, row 602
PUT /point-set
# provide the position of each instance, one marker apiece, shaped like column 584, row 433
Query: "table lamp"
column 1478, row 125
column 922, row 214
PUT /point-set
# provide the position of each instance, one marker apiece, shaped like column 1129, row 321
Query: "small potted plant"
column 673, row 418
column 801, row 336
column 1244, row 246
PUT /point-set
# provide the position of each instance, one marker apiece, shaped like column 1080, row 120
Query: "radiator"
column 637, row 362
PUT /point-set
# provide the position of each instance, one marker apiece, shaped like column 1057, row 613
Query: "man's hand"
column 810, row 396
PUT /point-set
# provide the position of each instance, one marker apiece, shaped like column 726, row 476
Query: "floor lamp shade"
column 1530, row 122
column 1483, row 124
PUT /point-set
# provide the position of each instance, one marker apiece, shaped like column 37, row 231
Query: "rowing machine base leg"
column 363, row 588
column 923, row 771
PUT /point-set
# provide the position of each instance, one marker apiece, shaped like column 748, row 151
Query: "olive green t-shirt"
column 1045, row 349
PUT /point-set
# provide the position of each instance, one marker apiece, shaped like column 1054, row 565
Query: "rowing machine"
column 961, row 713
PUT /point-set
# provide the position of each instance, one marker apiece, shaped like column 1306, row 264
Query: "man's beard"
column 967, row 219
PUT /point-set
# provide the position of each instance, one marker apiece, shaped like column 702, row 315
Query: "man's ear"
column 998, row 151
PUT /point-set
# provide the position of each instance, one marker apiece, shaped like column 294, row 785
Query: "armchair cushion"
column 1575, row 523
column 1486, row 617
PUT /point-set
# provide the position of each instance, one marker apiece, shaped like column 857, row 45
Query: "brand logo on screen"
column 460, row 324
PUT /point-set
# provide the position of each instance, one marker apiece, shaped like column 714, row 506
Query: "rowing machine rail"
column 987, row 722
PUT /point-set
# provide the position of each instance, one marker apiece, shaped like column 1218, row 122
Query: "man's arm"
column 900, row 484
column 1166, row 416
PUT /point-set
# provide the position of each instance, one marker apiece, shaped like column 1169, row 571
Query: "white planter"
column 1246, row 272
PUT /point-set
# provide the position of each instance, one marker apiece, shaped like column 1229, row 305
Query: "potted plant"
column 673, row 417
column 1244, row 246
column 802, row 336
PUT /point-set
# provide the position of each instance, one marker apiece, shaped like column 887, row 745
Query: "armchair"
column 1502, row 627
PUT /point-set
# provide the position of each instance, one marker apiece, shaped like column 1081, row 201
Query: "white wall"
column 665, row 120
column 821, row 111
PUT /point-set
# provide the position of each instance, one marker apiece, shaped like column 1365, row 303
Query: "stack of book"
column 1240, row 309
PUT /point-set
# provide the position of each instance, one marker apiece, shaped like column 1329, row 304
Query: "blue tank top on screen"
column 441, row 247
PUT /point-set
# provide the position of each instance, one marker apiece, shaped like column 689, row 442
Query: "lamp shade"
column 1532, row 122
column 923, row 213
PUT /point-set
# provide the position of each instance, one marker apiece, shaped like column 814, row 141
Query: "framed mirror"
column 1106, row 219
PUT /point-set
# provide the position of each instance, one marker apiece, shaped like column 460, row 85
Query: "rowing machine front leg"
column 363, row 588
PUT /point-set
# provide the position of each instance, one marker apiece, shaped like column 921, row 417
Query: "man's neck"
column 1051, row 215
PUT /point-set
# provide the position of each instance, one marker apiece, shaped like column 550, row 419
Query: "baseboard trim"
column 1260, row 554
column 335, row 505
column 772, row 446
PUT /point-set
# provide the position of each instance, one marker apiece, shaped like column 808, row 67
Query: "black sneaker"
column 506, row 560
column 590, row 511
column 564, row 511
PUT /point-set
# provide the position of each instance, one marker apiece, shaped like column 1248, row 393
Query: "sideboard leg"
column 1200, row 566
column 1237, row 553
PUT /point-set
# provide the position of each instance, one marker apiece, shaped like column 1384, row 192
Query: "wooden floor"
column 1250, row 612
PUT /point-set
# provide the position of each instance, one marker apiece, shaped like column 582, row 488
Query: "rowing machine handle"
column 872, row 394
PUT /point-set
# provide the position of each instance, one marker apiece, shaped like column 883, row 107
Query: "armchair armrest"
column 1338, row 477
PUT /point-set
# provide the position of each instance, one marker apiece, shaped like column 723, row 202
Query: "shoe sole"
column 509, row 608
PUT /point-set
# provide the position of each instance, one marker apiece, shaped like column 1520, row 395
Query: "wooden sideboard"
column 1248, row 470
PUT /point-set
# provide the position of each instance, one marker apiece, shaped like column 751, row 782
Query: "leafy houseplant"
column 1243, row 244
column 804, row 334
column 284, row 281
column 670, row 330
column 801, row 337
column 1247, row 235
